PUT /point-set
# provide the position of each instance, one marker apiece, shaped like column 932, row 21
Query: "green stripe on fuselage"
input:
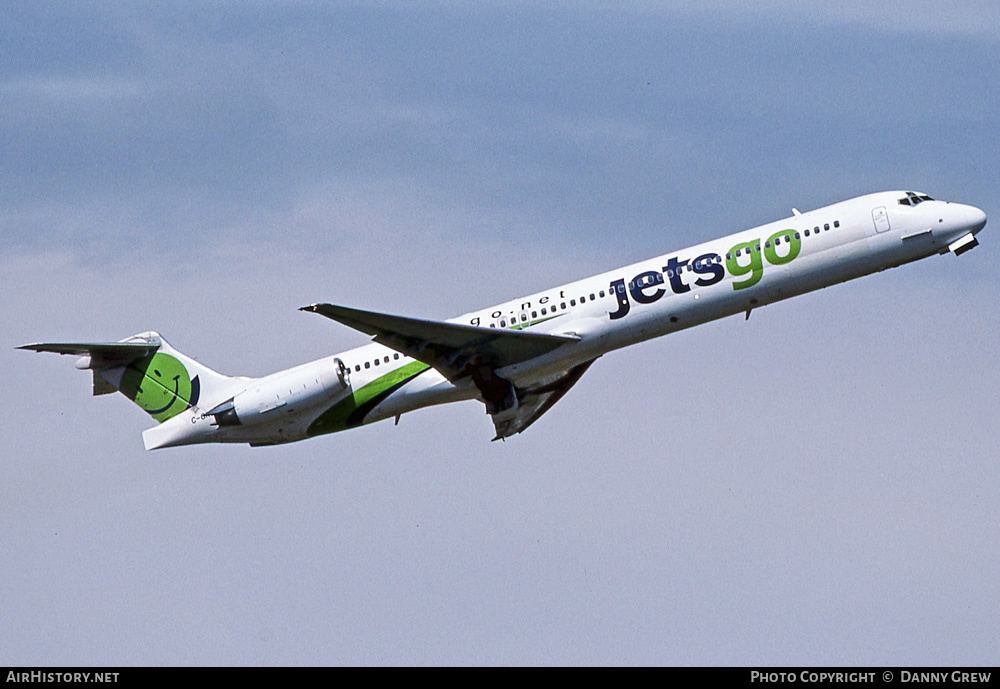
column 351, row 411
column 522, row 326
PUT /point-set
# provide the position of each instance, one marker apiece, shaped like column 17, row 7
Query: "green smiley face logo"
column 158, row 384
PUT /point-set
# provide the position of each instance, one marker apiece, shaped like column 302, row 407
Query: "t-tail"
column 145, row 368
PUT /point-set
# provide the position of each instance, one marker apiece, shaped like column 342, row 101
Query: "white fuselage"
column 655, row 297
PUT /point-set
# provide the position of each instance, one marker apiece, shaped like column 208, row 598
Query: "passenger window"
column 826, row 226
column 396, row 356
column 534, row 314
column 591, row 297
column 387, row 359
column 368, row 365
column 602, row 294
column 357, row 367
column 807, row 233
column 376, row 362
column 563, row 306
column 572, row 302
column 503, row 324
column 836, row 223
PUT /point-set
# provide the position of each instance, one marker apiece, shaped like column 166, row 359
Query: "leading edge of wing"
column 446, row 346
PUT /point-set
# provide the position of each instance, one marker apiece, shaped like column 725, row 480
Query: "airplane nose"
column 960, row 232
column 977, row 219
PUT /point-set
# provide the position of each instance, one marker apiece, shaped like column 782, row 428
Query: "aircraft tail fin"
column 162, row 381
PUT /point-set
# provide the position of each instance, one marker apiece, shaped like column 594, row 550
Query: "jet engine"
column 269, row 398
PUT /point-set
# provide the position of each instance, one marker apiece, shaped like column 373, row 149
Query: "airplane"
column 520, row 357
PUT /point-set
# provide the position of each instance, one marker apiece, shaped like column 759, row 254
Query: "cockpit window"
column 912, row 199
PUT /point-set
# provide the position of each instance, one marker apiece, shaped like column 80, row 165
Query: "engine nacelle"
column 269, row 398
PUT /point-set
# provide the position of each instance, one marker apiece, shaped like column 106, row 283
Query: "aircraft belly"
column 426, row 391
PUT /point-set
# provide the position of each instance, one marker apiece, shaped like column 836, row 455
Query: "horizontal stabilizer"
column 103, row 357
column 448, row 347
column 145, row 368
column 111, row 353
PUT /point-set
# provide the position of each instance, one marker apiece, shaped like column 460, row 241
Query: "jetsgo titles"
column 745, row 262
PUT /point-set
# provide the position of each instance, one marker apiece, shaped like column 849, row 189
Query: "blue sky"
column 817, row 485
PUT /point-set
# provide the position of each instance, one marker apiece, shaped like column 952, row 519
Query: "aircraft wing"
column 534, row 402
column 448, row 347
